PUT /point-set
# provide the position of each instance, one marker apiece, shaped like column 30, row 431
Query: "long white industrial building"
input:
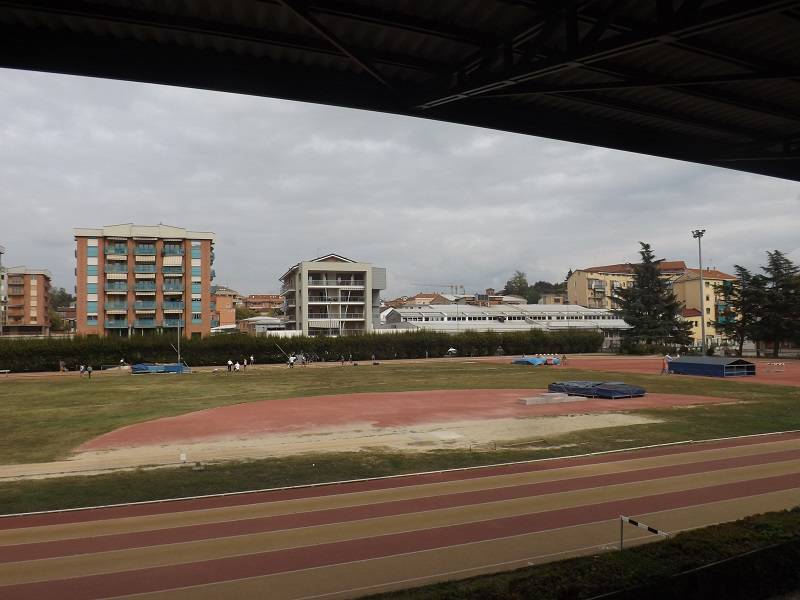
column 455, row 318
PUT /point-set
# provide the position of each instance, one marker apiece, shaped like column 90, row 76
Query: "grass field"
column 42, row 420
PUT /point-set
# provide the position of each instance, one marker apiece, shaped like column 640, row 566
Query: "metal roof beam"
column 179, row 23
column 660, row 114
column 301, row 12
column 720, row 15
column 365, row 13
column 533, row 89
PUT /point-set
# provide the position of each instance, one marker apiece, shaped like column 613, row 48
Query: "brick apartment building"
column 143, row 279
column 25, row 295
column 264, row 303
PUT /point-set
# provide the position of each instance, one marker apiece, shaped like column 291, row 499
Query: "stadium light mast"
column 698, row 235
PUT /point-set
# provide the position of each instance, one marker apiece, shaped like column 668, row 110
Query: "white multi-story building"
column 332, row 295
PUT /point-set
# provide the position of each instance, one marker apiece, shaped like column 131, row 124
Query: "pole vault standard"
column 623, row 520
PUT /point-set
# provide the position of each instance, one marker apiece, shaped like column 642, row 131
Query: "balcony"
column 145, row 286
column 144, row 323
column 173, row 251
column 116, row 249
column 172, row 305
column 145, row 250
column 116, row 288
column 174, row 323
column 115, row 268
column 172, row 287
column 144, row 305
column 16, row 291
column 337, row 282
column 172, row 270
column 117, row 324
column 116, row 306
column 144, row 268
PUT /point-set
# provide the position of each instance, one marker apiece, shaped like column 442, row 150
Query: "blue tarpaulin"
column 597, row 389
column 159, row 368
column 537, row 360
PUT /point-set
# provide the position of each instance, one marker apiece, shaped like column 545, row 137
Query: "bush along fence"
column 45, row 354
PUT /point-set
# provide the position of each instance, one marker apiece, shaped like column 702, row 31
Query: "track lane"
column 93, row 587
column 155, row 508
column 190, row 533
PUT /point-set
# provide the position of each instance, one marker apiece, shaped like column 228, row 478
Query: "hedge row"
column 45, row 354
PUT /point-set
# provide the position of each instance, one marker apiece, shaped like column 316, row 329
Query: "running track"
column 347, row 540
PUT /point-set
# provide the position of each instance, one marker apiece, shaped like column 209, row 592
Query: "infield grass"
column 42, row 420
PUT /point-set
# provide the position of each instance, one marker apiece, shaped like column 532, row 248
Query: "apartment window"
column 33, row 319
column 197, row 318
column 91, row 270
column 91, row 307
column 708, row 311
column 196, row 251
column 33, row 279
column 91, row 288
column 91, row 321
column 91, row 251
column 197, row 288
column 196, row 271
column 196, row 306
column 34, row 302
column 708, row 297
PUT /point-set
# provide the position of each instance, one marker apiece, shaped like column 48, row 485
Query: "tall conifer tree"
column 650, row 306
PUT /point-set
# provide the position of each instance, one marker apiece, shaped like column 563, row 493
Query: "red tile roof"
column 708, row 274
column 691, row 312
column 668, row 266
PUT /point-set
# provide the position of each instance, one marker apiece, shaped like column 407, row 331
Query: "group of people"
column 235, row 367
column 85, row 370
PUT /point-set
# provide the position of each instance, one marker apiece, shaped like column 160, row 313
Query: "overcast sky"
column 281, row 181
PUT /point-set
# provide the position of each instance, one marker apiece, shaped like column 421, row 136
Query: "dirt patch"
column 404, row 421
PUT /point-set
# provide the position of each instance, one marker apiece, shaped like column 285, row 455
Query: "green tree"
column 242, row 312
column 778, row 318
column 517, row 285
column 59, row 298
column 650, row 307
column 742, row 301
column 56, row 322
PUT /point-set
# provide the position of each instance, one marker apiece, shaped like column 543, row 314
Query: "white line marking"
column 400, row 476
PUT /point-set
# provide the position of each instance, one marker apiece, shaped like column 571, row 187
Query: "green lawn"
column 42, row 420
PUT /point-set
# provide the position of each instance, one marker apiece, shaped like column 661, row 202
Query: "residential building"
column 332, row 295
column 68, row 315
column 451, row 318
column 143, row 279
column 594, row 287
column 709, row 303
column 223, row 312
column 553, row 298
column 26, row 300
column 261, row 325
column 264, row 303
column 223, row 290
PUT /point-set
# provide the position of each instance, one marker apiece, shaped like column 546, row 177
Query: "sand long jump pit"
column 404, row 421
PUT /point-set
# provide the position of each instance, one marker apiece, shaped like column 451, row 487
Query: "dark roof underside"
column 714, row 81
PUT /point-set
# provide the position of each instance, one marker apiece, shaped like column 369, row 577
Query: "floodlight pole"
column 698, row 235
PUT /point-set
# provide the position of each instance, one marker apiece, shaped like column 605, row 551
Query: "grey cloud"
column 281, row 181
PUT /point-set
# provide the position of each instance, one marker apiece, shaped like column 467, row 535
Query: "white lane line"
column 386, row 477
column 614, row 542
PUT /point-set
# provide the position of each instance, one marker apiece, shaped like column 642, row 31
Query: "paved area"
column 347, row 540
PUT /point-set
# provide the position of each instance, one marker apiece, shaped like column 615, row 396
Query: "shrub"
column 44, row 354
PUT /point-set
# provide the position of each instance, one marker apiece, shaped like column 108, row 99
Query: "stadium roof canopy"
column 714, row 81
